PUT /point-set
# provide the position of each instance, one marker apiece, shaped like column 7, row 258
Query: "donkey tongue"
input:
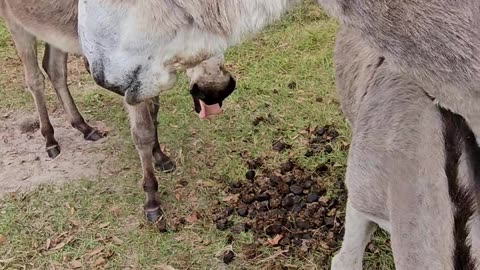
column 208, row 110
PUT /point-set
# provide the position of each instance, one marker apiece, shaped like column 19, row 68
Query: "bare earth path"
column 24, row 163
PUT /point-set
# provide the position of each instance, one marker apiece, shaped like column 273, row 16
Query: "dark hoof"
column 93, row 136
column 167, row 166
column 53, row 151
column 154, row 215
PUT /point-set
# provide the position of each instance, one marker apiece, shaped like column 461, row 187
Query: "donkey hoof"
column 154, row 215
column 166, row 166
column 93, row 136
column 53, row 151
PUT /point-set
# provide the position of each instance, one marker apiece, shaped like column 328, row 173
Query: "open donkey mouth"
column 204, row 110
column 208, row 101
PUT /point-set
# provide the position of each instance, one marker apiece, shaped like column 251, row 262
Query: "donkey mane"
column 459, row 138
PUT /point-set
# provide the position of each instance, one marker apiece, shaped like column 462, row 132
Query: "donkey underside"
column 396, row 166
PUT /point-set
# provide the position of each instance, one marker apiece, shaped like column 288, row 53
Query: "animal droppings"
column 297, row 190
column 312, row 197
column 250, row 175
column 280, row 146
column 228, row 257
column 289, row 207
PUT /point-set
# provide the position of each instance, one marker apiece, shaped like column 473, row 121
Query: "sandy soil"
column 24, row 163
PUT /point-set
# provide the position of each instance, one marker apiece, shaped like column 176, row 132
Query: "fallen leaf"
column 117, row 240
column 47, row 244
column 206, row 183
column 75, row 264
column 324, row 245
column 99, row 261
column 179, row 238
column 6, row 261
column 192, row 218
column 56, row 264
column 232, row 198
column 75, row 223
column 108, row 254
column 332, row 212
column 324, row 199
column 104, row 225
column 277, row 174
column 69, row 239
column 192, row 198
column 115, row 210
column 95, row 251
column 3, row 239
column 178, row 194
column 163, row 267
column 275, row 240
column 59, row 246
column 304, row 246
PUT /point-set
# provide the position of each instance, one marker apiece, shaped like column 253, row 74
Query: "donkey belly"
column 66, row 43
column 54, row 22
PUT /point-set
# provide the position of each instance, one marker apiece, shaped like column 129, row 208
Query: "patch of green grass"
column 107, row 212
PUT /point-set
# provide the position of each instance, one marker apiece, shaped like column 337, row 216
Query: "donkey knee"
column 143, row 137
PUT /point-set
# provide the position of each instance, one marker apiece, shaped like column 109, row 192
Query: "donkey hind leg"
column 162, row 162
column 25, row 45
column 55, row 65
column 358, row 230
column 144, row 138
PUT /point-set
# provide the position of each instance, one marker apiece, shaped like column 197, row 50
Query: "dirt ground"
column 25, row 164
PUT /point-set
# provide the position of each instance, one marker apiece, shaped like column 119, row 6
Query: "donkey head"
column 210, row 84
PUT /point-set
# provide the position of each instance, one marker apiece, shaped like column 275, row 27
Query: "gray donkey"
column 415, row 175
column 412, row 169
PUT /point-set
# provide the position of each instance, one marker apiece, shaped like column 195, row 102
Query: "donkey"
column 56, row 24
column 18, row 17
column 412, row 169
